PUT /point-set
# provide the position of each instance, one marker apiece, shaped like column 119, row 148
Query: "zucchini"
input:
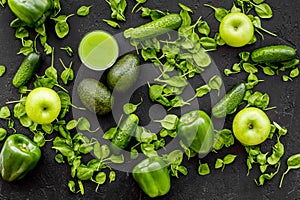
column 29, row 66
column 154, row 28
column 273, row 54
column 124, row 73
column 125, row 132
column 229, row 103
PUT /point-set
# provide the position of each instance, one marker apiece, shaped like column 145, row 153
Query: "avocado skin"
column 124, row 73
column 95, row 96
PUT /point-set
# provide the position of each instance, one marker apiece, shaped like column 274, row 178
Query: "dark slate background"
column 49, row 179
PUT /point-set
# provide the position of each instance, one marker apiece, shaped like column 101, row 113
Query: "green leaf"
column 268, row 71
column 21, row 33
column 4, row 112
column 228, row 159
column 83, row 11
column 220, row 13
column 104, row 150
column 116, row 158
column 112, row 176
column 219, row 163
column 68, row 50
column 71, row 185
column 201, row 58
column 3, row 134
column 84, row 172
column 204, row 28
column 263, row 10
column 110, row 133
column 129, row 108
column 203, row 169
column 2, row 70
column 215, row 83
column 112, row 23
column 134, row 154
column 59, row 158
column 249, row 68
column 100, row 178
column 169, row 122
column 81, row 187
column 39, row 138
column 202, row 90
column 294, row 73
column 71, row 124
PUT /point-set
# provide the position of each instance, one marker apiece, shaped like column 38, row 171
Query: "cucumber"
column 228, row 104
column 124, row 73
column 154, row 28
column 273, row 54
column 125, row 132
column 29, row 66
column 95, row 96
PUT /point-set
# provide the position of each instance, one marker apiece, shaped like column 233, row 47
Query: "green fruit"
column 125, row 132
column 124, row 73
column 228, row 104
column 273, row 54
column 95, row 96
column 196, row 130
column 29, row 66
column 154, row 28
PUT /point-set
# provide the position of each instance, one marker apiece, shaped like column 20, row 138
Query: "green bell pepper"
column 18, row 156
column 196, row 130
column 152, row 176
column 32, row 12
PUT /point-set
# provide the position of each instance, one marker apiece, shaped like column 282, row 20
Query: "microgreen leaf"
column 112, row 23
column 83, row 11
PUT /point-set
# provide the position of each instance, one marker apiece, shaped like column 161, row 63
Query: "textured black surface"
column 49, row 179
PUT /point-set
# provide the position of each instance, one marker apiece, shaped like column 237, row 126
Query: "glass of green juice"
column 98, row 50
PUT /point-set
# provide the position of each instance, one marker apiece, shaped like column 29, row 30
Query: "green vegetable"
column 125, row 132
column 228, row 159
column 33, row 13
column 112, row 23
column 118, row 8
column 83, row 11
column 203, row 169
column 196, row 130
column 19, row 155
column 273, row 54
column 61, row 25
column 29, row 66
column 154, row 28
column 3, row 134
column 152, row 176
column 229, row 103
column 2, row 70
column 124, row 73
column 293, row 162
column 95, row 96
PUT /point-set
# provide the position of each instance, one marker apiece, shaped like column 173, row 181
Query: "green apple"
column 251, row 126
column 42, row 105
column 236, row 29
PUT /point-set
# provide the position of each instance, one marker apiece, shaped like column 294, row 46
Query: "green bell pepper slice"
column 152, row 176
column 196, row 130
column 19, row 155
column 32, row 12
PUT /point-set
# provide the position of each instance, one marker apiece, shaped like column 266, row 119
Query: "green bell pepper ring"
column 32, row 12
column 152, row 176
column 196, row 130
column 18, row 156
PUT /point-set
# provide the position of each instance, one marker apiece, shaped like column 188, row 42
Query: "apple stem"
column 250, row 126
